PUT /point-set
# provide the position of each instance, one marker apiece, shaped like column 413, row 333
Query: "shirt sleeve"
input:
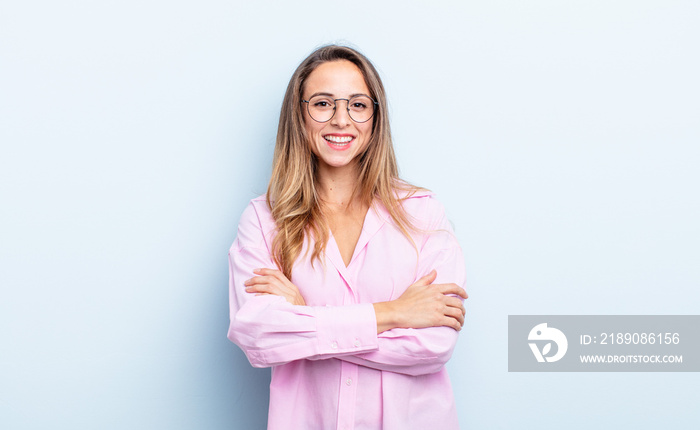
column 425, row 350
column 272, row 331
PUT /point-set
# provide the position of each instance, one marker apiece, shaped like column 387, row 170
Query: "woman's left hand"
column 274, row 282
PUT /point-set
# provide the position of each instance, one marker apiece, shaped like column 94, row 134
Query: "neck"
column 337, row 186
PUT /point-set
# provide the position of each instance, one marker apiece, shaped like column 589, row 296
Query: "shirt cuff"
column 346, row 329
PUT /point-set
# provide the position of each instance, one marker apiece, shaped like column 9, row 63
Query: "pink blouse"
column 330, row 368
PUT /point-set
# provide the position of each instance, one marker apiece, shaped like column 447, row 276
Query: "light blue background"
column 562, row 136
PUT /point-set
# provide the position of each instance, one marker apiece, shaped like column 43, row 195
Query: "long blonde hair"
column 292, row 196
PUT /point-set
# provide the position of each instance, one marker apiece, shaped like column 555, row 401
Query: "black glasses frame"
column 335, row 105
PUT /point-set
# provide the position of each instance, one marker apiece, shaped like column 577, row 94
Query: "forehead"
column 337, row 78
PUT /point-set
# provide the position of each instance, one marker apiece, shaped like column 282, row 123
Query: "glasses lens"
column 361, row 108
column 321, row 108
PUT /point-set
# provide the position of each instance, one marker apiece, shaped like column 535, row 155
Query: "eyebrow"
column 333, row 95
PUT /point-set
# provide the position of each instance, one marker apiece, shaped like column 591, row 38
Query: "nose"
column 341, row 117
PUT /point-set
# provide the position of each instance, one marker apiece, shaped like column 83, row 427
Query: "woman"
column 343, row 278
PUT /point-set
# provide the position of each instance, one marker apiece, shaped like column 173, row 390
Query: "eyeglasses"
column 322, row 108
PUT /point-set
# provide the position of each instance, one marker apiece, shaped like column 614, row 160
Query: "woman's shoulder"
column 257, row 209
column 256, row 223
column 417, row 198
column 421, row 205
column 404, row 191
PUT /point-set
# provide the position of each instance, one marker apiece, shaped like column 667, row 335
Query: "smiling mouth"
column 339, row 141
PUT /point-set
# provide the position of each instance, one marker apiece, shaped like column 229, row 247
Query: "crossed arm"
column 422, row 305
column 414, row 334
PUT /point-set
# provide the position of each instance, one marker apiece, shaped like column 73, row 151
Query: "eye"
column 360, row 104
column 321, row 102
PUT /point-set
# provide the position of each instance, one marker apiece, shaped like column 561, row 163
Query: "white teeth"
column 338, row 139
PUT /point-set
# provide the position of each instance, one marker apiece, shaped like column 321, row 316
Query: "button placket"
column 348, row 395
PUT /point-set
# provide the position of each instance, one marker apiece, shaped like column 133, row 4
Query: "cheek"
column 366, row 131
column 366, row 137
column 312, row 127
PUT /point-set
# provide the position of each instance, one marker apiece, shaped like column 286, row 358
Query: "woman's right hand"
column 423, row 304
column 271, row 281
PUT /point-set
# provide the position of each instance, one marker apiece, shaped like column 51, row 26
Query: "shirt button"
column 334, row 345
column 356, row 343
column 348, row 382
